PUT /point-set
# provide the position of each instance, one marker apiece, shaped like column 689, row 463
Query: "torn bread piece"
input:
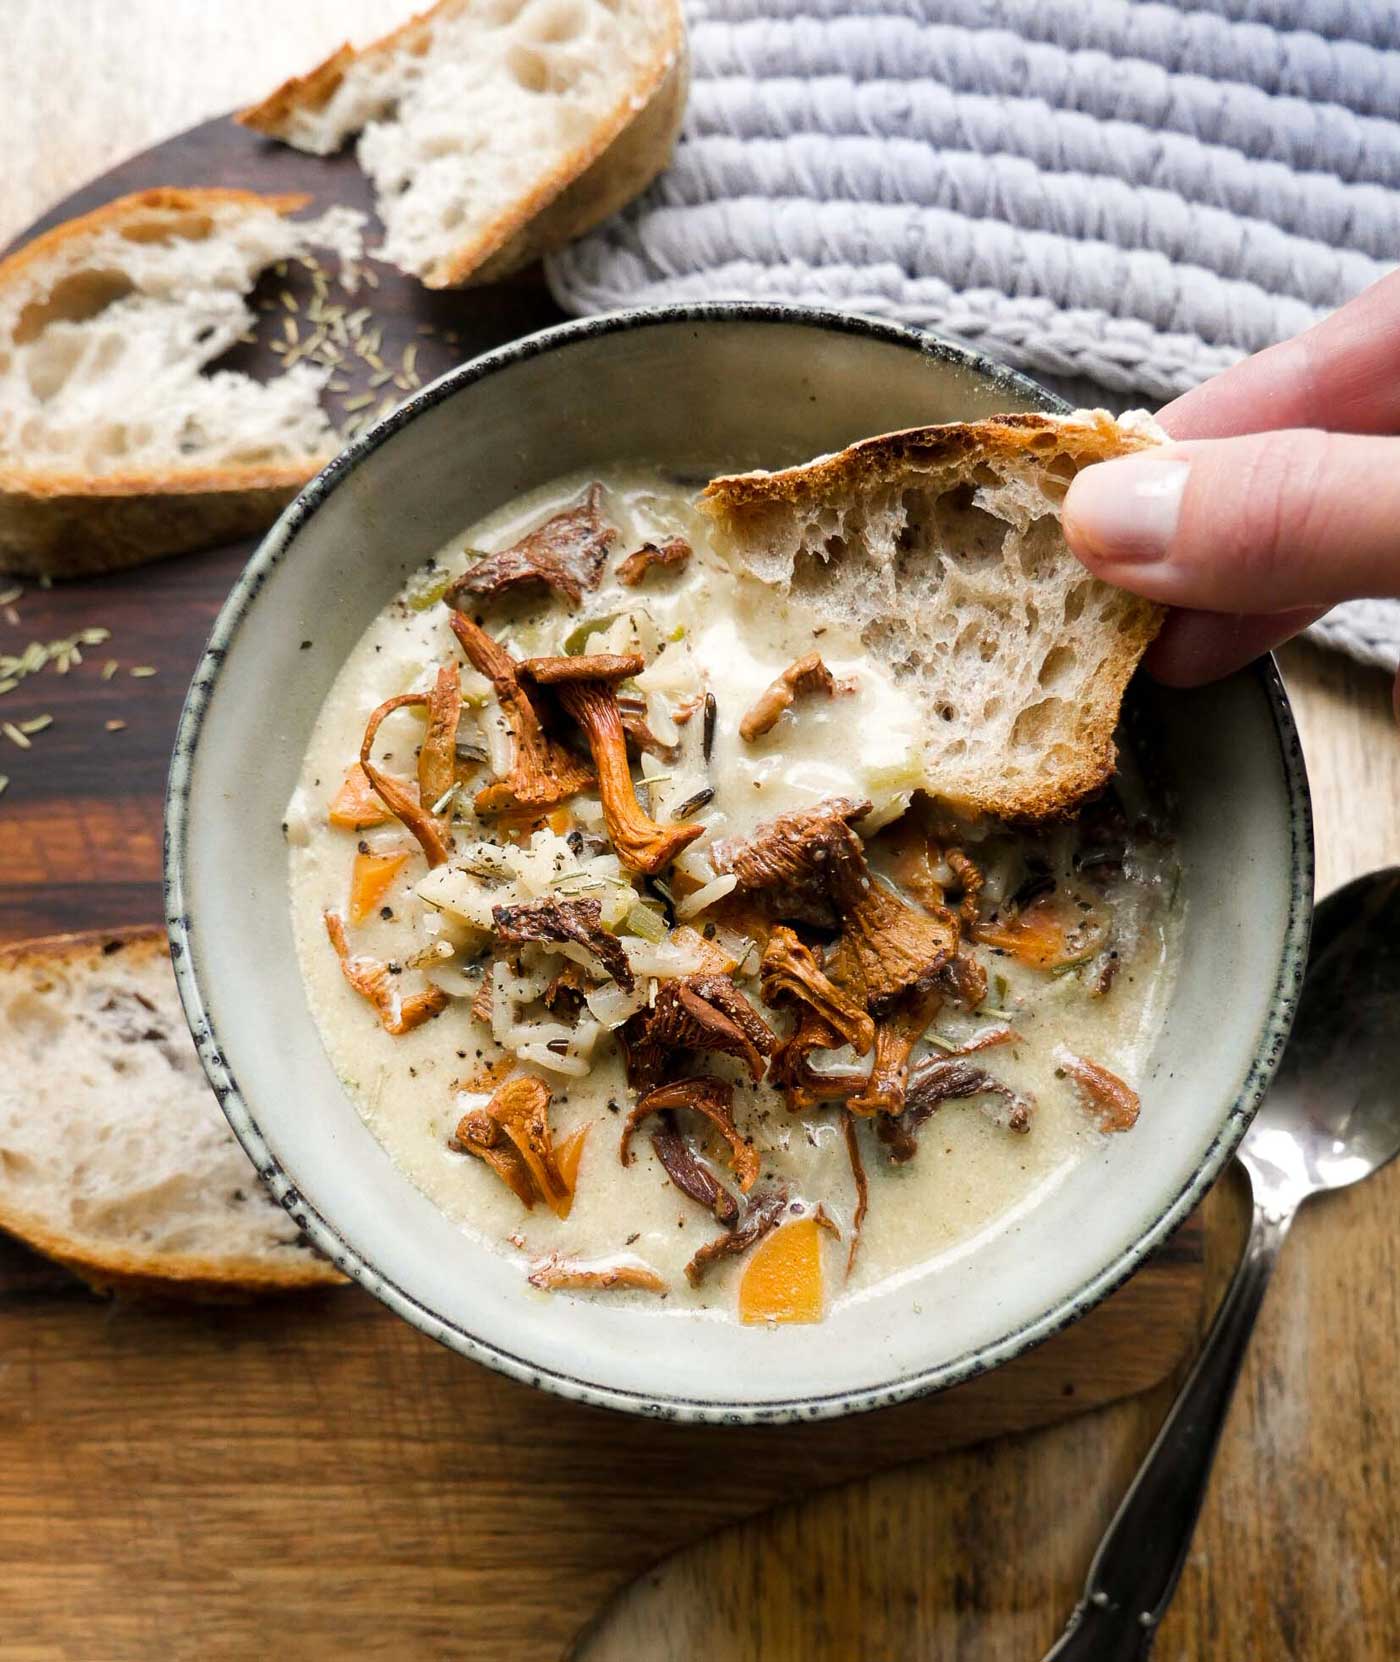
column 942, row 547
column 496, row 130
column 115, row 446
column 114, row 1156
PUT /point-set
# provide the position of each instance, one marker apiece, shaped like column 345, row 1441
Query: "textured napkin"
column 1122, row 198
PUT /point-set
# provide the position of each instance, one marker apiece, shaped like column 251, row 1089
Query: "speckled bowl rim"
column 817, row 1405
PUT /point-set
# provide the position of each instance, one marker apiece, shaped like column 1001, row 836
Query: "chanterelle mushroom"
column 895, row 1037
column 542, row 773
column 715, row 1100
column 887, row 947
column 801, row 1084
column 689, row 1173
column 804, row 676
column 785, row 858
column 437, row 759
column 566, row 920
column 413, row 809
column 1114, row 1105
column 703, row 1012
column 586, row 687
column 940, row 1079
column 763, row 1215
column 789, row 972
column 519, row 1108
column 566, row 553
column 553, row 1274
column 376, row 982
column 675, row 551
column 893, row 948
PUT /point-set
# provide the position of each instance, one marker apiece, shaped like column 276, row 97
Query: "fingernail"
column 1126, row 510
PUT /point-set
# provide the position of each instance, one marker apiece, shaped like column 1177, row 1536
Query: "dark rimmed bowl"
column 697, row 388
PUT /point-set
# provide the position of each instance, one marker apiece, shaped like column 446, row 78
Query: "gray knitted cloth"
column 1120, row 197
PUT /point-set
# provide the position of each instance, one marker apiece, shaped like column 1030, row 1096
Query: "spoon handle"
column 1135, row 1570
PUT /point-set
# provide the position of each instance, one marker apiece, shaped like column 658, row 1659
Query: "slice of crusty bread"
column 114, row 1156
column 496, row 130
column 115, row 447
column 942, row 547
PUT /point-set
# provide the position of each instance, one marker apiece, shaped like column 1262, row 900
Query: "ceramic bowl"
column 698, row 388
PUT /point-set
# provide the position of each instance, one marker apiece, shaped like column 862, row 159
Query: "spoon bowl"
column 1332, row 1115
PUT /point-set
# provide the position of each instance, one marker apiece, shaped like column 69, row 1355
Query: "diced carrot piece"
column 561, row 822
column 355, row 806
column 783, row 1279
column 566, row 1158
column 1048, row 935
column 369, row 882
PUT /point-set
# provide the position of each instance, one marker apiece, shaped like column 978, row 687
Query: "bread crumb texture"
column 114, row 1155
column 479, row 114
column 942, row 546
column 107, row 328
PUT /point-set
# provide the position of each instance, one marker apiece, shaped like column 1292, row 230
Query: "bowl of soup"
column 580, row 960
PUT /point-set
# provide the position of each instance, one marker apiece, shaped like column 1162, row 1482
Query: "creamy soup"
column 850, row 1032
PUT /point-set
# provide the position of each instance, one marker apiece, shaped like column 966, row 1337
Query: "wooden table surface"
column 976, row 1555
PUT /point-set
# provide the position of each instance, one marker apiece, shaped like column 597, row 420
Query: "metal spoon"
column 1332, row 1117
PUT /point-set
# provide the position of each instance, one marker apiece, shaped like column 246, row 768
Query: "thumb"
column 1264, row 523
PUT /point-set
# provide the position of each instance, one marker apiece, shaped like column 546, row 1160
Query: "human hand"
column 1283, row 499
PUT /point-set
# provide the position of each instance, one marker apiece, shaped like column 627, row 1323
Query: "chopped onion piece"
column 500, row 742
column 611, row 1006
column 452, row 981
column 712, row 891
column 665, row 961
column 543, row 1057
column 476, row 689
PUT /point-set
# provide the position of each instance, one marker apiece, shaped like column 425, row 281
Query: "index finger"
column 1342, row 374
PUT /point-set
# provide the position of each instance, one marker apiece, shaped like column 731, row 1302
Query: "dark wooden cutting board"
column 313, row 1475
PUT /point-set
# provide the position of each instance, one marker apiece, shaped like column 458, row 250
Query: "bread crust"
column 114, row 1268
column 648, row 114
column 735, row 501
column 1091, row 437
column 56, row 524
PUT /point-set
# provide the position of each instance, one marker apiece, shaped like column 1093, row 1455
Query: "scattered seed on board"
column 13, row 734
column 142, row 671
column 10, row 595
column 114, row 726
column 4, row 781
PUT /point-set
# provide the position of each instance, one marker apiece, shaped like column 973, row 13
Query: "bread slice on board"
column 115, row 446
column 496, row 130
column 942, row 547
column 114, row 1156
